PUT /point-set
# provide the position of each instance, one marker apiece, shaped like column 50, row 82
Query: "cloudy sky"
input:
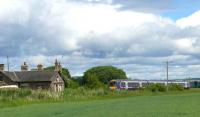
column 138, row 36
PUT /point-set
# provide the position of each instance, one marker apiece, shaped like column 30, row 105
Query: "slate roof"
column 30, row 76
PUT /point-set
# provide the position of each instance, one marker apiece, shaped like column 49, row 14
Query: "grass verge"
column 9, row 98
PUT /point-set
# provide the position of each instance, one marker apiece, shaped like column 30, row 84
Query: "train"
column 136, row 84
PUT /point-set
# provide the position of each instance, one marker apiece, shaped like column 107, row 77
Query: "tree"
column 78, row 79
column 102, row 74
column 93, row 82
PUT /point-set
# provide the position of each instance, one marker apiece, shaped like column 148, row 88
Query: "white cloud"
column 190, row 21
column 186, row 44
column 85, row 35
column 14, row 11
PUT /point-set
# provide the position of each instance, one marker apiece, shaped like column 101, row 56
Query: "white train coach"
column 134, row 84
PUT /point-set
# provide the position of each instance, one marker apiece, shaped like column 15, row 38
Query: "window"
column 112, row 84
column 123, row 84
column 133, row 85
column 118, row 84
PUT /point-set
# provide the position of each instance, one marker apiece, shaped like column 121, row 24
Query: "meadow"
column 159, row 105
column 89, row 103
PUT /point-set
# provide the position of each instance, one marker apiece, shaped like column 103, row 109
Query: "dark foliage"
column 175, row 87
column 163, row 88
column 78, row 79
column 101, row 75
column 157, row 88
column 73, row 84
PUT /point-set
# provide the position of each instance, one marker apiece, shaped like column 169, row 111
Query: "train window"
column 112, row 84
column 118, row 84
column 133, row 84
column 130, row 84
column 123, row 84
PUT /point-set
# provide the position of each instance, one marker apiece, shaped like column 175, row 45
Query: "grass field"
column 181, row 105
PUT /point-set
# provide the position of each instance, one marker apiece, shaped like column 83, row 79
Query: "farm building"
column 39, row 79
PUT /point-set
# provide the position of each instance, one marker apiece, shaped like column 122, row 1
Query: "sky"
column 138, row 36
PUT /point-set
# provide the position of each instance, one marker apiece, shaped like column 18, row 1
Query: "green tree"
column 93, row 82
column 78, row 79
column 102, row 74
column 72, row 84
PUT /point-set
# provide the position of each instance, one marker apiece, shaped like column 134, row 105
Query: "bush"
column 78, row 79
column 93, row 82
column 72, row 84
column 157, row 88
column 175, row 87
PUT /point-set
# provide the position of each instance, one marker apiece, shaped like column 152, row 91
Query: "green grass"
column 159, row 105
column 10, row 98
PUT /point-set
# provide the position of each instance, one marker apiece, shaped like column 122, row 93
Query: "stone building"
column 38, row 79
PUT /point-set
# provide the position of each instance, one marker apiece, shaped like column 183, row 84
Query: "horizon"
column 138, row 36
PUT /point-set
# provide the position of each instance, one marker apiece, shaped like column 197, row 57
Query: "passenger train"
column 136, row 84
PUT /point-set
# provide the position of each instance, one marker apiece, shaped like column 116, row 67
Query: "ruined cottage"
column 37, row 79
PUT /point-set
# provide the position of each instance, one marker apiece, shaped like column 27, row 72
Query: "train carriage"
column 136, row 84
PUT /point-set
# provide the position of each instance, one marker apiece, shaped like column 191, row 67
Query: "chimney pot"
column 1, row 67
column 58, row 66
column 39, row 67
column 24, row 67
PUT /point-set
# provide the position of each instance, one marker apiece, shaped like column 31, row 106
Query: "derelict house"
column 37, row 79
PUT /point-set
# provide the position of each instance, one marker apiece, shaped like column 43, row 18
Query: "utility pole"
column 167, row 70
column 167, row 63
column 8, row 63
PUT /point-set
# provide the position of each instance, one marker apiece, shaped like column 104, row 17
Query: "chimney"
column 60, row 67
column 56, row 65
column 1, row 67
column 24, row 67
column 39, row 67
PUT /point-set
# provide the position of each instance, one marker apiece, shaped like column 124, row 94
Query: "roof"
column 31, row 76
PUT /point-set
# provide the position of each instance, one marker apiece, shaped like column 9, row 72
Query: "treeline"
column 163, row 88
column 96, row 77
column 99, row 77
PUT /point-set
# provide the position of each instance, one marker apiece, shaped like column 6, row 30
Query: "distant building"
column 194, row 82
column 39, row 79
